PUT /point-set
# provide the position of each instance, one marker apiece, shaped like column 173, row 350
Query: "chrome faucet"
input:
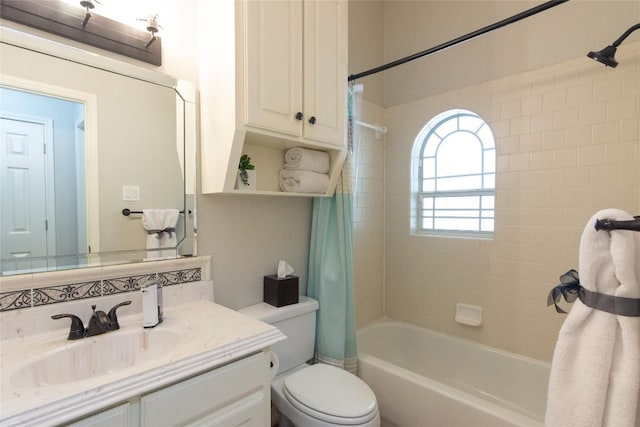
column 99, row 323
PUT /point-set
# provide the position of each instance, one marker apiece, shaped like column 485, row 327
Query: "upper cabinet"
column 273, row 75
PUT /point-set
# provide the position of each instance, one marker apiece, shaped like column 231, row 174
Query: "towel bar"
column 127, row 212
column 611, row 224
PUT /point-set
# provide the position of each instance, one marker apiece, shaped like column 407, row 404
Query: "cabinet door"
column 273, row 64
column 118, row 416
column 325, row 70
column 248, row 412
column 238, row 392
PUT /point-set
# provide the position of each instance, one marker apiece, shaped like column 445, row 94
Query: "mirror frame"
column 184, row 89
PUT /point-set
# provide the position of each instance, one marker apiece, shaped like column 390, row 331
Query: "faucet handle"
column 113, row 317
column 77, row 328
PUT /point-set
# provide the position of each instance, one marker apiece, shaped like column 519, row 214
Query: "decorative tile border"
column 27, row 298
column 15, row 300
column 67, row 292
column 181, row 276
column 126, row 284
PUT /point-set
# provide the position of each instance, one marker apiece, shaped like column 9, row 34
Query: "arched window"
column 454, row 174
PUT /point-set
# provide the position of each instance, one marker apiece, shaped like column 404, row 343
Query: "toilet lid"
column 330, row 394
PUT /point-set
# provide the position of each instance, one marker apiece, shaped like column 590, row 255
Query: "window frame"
column 486, row 174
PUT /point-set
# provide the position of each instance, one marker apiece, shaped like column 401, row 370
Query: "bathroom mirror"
column 85, row 137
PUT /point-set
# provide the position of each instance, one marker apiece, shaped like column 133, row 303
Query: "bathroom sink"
column 94, row 356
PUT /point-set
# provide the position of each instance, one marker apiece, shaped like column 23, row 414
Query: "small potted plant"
column 246, row 174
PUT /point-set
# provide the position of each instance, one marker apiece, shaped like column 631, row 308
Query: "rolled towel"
column 302, row 181
column 299, row 158
column 595, row 361
column 161, row 232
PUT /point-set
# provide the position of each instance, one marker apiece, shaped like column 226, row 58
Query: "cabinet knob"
column 299, row 116
column 312, row 120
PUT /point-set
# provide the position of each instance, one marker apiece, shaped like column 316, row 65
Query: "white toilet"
column 317, row 395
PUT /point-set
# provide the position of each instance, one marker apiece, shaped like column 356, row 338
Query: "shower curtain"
column 330, row 277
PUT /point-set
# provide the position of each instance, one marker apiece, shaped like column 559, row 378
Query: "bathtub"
column 425, row 378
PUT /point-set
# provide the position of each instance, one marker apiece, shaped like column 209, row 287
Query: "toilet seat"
column 330, row 394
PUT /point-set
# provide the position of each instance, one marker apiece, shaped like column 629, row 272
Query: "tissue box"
column 279, row 292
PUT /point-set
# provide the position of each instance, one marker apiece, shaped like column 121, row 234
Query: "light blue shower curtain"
column 330, row 277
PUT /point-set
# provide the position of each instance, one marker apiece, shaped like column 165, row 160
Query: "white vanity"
column 203, row 365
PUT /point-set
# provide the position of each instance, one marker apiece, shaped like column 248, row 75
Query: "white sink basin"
column 94, row 356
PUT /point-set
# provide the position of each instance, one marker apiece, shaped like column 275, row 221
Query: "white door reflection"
column 43, row 169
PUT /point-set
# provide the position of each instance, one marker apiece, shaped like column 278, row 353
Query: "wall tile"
column 554, row 139
column 622, row 108
column 591, row 155
column 592, row 113
column 607, row 89
column 565, row 158
column 565, row 118
column 542, row 121
column 554, row 100
column 568, row 143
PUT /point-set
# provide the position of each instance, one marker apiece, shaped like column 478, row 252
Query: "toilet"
column 311, row 395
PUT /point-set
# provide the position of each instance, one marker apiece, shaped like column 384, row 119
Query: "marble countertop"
column 210, row 335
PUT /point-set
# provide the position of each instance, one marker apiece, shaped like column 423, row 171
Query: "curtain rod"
column 473, row 34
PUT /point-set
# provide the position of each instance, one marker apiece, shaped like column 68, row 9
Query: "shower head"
column 606, row 55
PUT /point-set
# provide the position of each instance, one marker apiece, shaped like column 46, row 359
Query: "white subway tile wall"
column 568, row 141
column 368, row 230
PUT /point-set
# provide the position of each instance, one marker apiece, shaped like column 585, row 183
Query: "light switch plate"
column 130, row 193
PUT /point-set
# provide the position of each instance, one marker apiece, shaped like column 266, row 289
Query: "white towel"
column 161, row 232
column 299, row 158
column 595, row 373
column 303, row 181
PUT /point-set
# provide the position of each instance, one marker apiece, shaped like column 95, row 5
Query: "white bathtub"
column 424, row 378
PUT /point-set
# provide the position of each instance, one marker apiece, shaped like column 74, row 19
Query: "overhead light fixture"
column 88, row 6
column 61, row 17
column 152, row 26
column 606, row 55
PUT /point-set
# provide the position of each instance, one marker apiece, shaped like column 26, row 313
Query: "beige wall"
column 568, row 145
column 558, row 34
column 366, row 41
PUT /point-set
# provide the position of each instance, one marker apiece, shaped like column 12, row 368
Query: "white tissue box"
column 280, row 292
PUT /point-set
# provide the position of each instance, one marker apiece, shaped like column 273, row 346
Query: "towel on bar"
column 595, row 373
column 303, row 181
column 161, row 232
column 299, row 158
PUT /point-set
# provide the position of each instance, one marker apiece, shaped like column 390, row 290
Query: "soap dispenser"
column 151, row 304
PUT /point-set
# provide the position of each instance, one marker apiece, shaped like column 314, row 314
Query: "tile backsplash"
column 32, row 290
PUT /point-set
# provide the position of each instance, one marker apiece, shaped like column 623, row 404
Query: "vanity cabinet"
column 273, row 76
column 120, row 415
column 237, row 394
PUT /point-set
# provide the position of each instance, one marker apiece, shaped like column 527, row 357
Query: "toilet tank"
column 297, row 322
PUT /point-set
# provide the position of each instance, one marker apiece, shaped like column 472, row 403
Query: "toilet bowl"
column 323, row 395
column 307, row 395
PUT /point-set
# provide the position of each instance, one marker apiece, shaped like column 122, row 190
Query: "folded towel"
column 303, row 181
column 161, row 232
column 595, row 373
column 299, row 158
